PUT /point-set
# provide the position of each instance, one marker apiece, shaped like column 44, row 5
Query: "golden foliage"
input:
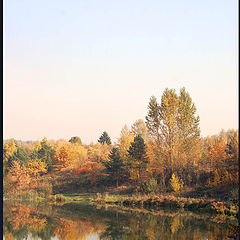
column 8, row 149
column 176, row 183
column 36, row 166
column 124, row 142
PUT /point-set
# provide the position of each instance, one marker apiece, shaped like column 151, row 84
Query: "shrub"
column 99, row 196
column 45, row 188
column 175, row 183
column 150, row 186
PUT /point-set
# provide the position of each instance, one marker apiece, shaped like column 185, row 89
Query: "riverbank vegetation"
column 168, row 201
column 165, row 154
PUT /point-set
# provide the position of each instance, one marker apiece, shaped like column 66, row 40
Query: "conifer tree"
column 104, row 138
column 138, row 160
column 75, row 140
column 115, row 166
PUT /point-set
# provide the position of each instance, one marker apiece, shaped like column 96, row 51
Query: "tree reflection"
column 75, row 221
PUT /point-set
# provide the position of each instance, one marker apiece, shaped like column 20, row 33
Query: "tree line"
column 164, row 152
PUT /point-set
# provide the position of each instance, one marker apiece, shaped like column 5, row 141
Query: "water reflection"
column 75, row 221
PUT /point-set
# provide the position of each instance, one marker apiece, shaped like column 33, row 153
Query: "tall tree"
column 124, row 141
column 104, row 138
column 188, row 127
column 174, row 127
column 168, row 125
column 114, row 167
column 140, row 128
column 138, row 160
column 153, row 119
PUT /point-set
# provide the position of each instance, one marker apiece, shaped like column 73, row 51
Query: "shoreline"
column 147, row 202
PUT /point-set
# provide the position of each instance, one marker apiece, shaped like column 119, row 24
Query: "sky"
column 81, row 67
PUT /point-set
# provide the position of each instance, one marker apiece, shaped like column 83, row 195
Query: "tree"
column 140, row 128
column 98, row 152
column 75, row 140
column 63, row 156
column 114, row 167
column 153, row 119
column 19, row 176
column 175, row 183
column 21, row 155
column 45, row 153
column 36, row 167
column 220, row 158
column 188, row 131
column 174, row 126
column 168, row 125
column 9, row 148
column 104, row 138
column 138, row 159
column 232, row 147
column 124, row 142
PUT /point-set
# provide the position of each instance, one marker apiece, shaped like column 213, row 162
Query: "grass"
column 147, row 201
column 76, row 197
column 155, row 201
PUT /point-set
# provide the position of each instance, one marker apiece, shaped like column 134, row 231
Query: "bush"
column 99, row 197
column 57, row 198
column 175, row 183
column 45, row 188
column 150, row 186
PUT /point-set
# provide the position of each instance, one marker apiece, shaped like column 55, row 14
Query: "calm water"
column 77, row 221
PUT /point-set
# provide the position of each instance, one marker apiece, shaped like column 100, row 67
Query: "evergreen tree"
column 104, row 138
column 114, row 167
column 75, row 140
column 21, row 156
column 138, row 160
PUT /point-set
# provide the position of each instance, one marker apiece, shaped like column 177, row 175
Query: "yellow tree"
column 9, row 148
column 70, row 155
column 168, row 126
column 222, row 154
column 139, row 128
column 124, row 142
column 19, row 176
column 99, row 152
column 63, row 155
column 174, row 126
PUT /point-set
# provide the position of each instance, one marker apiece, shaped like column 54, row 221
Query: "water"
column 87, row 222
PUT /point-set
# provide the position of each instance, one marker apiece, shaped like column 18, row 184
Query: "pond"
column 22, row 220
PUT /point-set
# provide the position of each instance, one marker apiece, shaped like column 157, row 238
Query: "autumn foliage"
column 167, row 144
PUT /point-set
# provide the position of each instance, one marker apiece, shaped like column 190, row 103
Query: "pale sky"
column 78, row 68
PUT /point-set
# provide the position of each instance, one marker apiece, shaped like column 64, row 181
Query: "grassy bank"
column 146, row 201
column 56, row 198
column 229, row 208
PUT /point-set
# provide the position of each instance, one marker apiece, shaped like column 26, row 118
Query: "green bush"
column 56, row 198
column 150, row 186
